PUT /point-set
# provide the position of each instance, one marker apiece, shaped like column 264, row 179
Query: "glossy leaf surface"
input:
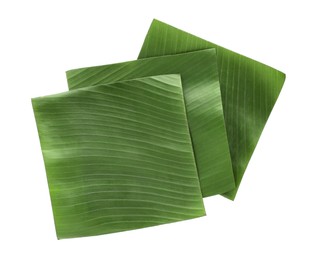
column 118, row 156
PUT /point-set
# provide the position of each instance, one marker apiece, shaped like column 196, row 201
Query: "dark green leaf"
column 249, row 89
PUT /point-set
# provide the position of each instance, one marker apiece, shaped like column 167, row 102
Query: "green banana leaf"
column 249, row 89
column 203, row 104
column 118, row 156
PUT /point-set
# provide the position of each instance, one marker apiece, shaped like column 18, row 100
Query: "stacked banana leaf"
column 140, row 143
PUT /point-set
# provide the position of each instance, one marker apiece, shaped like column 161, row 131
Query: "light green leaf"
column 203, row 104
column 118, row 156
column 249, row 89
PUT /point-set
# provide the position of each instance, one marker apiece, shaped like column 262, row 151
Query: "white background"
column 274, row 213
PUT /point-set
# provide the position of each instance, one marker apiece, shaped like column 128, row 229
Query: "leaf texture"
column 114, row 165
column 249, row 89
column 203, row 104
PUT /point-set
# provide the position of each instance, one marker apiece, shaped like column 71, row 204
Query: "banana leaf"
column 203, row 104
column 118, row 156
column 249, row 89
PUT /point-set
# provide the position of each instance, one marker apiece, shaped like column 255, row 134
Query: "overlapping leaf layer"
column 139, row 143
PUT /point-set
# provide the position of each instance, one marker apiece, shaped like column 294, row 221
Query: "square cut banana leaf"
column 118, row 156
column 203, row 105
column 249, row 89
